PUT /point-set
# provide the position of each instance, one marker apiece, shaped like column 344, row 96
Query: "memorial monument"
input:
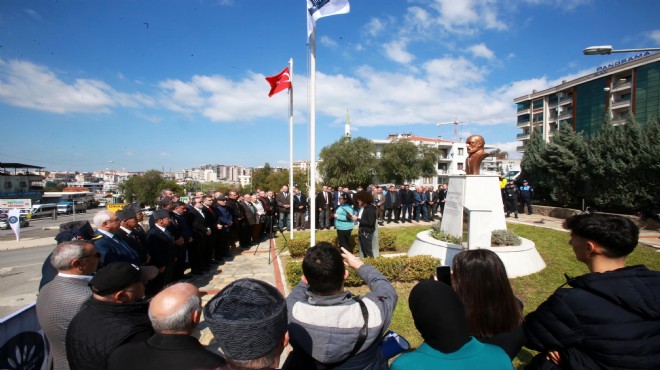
column 473, row 209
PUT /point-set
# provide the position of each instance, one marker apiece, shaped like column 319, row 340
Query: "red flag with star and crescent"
column 279, row 82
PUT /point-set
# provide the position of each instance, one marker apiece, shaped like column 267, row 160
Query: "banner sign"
column 22, row 341
column 8, row 204
column 114, row 207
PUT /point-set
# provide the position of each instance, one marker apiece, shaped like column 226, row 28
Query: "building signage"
column 15, row 204
column 622, row 61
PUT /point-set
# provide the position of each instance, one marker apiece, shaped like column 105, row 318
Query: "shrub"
column 297, row 247
column 400, row 268
column 386, row 240
column 436, row 233
column 504, row 238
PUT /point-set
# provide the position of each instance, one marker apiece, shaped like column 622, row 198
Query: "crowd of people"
column 118, row 300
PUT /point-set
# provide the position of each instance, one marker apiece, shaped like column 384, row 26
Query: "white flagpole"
column 291, row 149
column 312, row 142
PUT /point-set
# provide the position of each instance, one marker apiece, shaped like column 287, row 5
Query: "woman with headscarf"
column 440, row 318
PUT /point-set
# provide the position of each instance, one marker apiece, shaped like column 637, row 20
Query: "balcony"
column 522, row 123
column 619, row 103
column 523, row 136
column 520, row 148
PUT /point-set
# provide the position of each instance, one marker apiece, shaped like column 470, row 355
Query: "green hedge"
column 402, row 269
column 298, row 247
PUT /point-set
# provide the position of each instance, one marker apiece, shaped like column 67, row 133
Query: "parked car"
column 4, row 223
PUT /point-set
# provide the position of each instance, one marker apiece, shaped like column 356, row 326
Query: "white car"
column 4, row 224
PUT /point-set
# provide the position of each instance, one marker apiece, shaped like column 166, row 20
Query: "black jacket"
column 171, row 351
column 100, row 327
column 607, row 320
column 368, row 219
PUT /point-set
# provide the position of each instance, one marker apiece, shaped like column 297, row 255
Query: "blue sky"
column 177, row 84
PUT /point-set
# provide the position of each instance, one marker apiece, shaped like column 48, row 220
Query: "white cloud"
column 28, row 85
column 33, row 14
column 482, row 51
column 468, row 16
column 327, row 41
column 396, row 51
column 655, row 36
column 374, row 27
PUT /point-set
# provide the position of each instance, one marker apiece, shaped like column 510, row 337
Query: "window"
column 460, row 151
column 459, row 166
column 7, row 184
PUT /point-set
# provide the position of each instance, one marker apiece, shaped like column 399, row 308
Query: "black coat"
column 100, row 327
column 607, row 320
column 161, row 247
column 171, row 351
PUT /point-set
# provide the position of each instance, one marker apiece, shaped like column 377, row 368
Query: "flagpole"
column 312, row 141
column 291, row 149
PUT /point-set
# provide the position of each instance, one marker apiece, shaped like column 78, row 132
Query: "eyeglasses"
column 97, row 255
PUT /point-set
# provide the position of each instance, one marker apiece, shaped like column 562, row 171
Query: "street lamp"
column 607, row 49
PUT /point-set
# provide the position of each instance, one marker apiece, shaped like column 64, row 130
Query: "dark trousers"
column 366, row 238
column 299, row 220
column 512, row 206
column 221, row 248
column 526, row 202
column 396, row 211
column 344, row 239
column 406, row 208
column 245, row 234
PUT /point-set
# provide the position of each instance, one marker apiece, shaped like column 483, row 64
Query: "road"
column 20, row 269
column 20, row 273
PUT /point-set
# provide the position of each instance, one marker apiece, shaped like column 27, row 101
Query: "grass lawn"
column 532, row 289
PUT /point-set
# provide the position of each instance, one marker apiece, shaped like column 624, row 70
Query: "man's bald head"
column 176, row 309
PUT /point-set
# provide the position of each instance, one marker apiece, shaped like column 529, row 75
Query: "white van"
column 43, row 209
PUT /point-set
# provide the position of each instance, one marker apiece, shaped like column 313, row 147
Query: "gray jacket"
column 326, row 328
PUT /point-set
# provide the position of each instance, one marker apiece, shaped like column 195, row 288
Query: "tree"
column 534, row 167
column 145, row 189
column 260, row 176
column 567, row 153
column 499, row 154
column 403, row 161
column 349, row 162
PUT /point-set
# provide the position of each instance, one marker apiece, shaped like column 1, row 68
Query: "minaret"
column 347, row 126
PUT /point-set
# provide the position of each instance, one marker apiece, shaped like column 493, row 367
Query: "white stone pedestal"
column 519, row 260
column 479, row 197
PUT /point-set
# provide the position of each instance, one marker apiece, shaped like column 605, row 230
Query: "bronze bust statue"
column 476, row 154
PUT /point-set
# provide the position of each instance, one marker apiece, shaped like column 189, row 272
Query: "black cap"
column 120, row 275
column 126, row 214
column 248, row 319
column 161, row 213
column 221, row 198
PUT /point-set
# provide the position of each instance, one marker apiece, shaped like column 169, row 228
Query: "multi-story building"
column 450, row 162
column 21, row 181
column 628, row 86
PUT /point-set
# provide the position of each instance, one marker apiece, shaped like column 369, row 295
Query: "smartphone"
column 443, row 273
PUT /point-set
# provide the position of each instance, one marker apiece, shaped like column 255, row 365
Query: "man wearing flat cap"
column 248, row 319
column 126, row 232
column 162, row 250
column 114, row 315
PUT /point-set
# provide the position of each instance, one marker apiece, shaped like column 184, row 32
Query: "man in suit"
column 442, row 197
column 60, row 300
column 299, row 208
column 324, row 206
column 178, row 216
column 283, row 205
column 201, row 235
column 249, row 222
column 225, row 221
column 392, row 204
column 174, row 314
column 162, row 251
column 407, row 200
column 127, row 233
column 379, row 202
column 111, row 247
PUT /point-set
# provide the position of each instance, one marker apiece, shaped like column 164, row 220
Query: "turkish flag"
column 279, row 82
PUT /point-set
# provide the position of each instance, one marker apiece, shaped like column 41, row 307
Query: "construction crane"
column 456, row 122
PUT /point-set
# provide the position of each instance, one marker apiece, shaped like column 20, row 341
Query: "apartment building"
column 628, row 86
